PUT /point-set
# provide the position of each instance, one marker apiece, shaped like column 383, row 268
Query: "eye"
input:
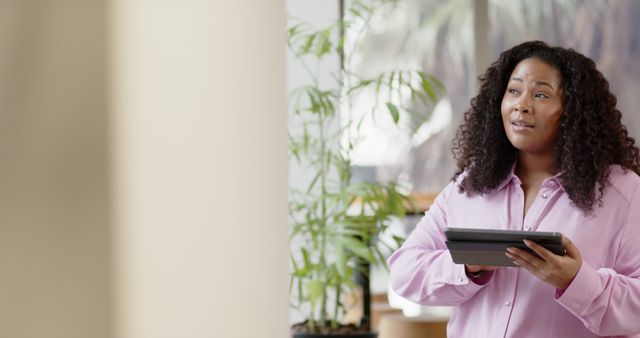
column 513, row 91
column 541, row 96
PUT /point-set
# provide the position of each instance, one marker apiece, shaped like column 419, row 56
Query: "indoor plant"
column 336, row 223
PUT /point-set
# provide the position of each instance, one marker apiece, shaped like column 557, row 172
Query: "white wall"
column 200, row 158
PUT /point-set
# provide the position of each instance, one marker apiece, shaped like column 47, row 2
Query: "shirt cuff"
column 581, row 290
column 460, row 278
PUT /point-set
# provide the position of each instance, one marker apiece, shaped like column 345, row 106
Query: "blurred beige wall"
column 143, row 169
column 54, row 203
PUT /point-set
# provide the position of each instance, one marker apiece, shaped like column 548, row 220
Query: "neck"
column 534, row 165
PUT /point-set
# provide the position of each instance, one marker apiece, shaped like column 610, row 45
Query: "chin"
column 519, row 144
column 525, row 147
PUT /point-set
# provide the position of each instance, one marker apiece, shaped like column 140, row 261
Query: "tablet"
column 487, row 246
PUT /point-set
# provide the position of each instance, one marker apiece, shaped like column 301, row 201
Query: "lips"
column 522, row 124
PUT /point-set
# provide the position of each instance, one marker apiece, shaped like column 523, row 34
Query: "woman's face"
column 532, row 106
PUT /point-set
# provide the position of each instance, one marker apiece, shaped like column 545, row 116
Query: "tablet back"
column 488, row 246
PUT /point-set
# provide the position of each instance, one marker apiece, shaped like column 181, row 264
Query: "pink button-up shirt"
column 602, row 300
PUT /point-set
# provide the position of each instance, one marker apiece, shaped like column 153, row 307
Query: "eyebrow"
column 538, row 83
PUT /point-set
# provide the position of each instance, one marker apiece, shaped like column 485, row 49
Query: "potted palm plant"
column 337, row 223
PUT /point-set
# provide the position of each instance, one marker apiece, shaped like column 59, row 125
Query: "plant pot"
column 336, row 335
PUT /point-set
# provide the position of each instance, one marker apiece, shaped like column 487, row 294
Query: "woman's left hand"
column 558, row 271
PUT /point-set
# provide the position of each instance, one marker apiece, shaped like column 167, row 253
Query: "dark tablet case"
column 488, row 246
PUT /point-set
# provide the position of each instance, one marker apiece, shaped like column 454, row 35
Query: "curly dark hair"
column 591, row 135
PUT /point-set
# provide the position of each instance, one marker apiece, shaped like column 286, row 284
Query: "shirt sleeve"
column 423, row 271
column 607, row 301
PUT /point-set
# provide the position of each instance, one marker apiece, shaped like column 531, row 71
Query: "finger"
column 526, row 257
column 570, row 248
column 535, row 271
column 513, row 258
column 523, row 263
column 541, row 251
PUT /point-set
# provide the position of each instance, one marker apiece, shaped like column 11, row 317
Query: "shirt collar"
column 555, row 179
column 511, row 176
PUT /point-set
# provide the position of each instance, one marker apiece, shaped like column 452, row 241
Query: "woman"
column 542, row 148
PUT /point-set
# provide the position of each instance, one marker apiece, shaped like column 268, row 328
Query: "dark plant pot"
column 336, row 335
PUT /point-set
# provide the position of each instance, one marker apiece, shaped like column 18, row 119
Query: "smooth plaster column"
column 200, row 168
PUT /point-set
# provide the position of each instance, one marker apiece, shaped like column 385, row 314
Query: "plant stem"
column 323, row 214
column 334, row 320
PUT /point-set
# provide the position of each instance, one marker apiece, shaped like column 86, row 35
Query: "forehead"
column 534, row 69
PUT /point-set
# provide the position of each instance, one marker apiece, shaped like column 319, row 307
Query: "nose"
column 521, row 108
